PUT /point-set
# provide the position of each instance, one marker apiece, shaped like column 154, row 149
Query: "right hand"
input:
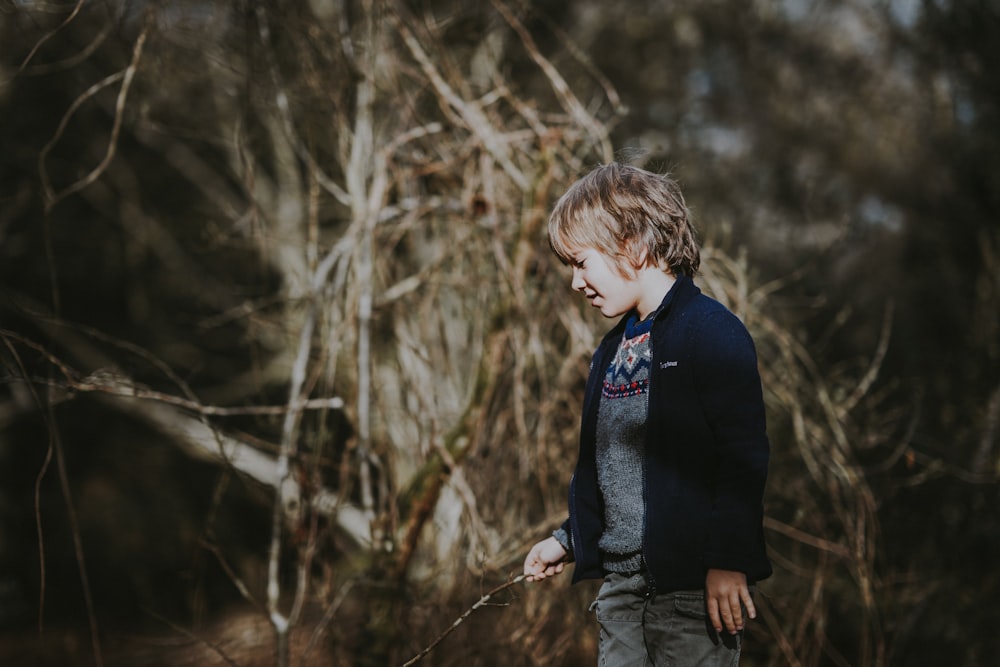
column 546, row 559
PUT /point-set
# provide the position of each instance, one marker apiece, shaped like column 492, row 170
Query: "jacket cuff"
column 563, row 538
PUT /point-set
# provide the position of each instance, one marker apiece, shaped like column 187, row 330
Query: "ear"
column 638, row 257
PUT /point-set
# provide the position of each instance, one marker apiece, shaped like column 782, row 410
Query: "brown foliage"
column 316, row 236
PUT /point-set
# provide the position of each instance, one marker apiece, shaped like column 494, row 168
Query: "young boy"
column 666, row 501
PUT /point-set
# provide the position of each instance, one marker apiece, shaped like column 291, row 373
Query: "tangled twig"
column 52, row 197
column 458, row 621
column 49, row 35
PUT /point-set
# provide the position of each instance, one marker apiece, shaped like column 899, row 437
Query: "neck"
column 655, row 283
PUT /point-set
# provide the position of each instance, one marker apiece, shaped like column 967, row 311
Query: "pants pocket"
column 691, row 606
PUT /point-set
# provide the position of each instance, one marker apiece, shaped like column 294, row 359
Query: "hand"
column 724, row 590
column 546, row 559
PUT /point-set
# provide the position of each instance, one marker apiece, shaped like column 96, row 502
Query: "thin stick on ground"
column 458, row 621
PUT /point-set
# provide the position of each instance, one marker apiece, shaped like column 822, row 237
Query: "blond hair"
column 634, row 216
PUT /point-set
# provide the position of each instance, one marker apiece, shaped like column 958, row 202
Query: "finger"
column 725, row 611
column 713, row 614
column 748, row 602
column 737, row 612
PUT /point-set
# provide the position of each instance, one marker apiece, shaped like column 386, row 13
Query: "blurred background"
column 289, row 376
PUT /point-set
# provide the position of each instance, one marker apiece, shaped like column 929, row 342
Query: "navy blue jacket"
column 706, row 449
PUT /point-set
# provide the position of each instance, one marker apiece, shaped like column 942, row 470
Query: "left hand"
column 546, row 559
column 724, row 591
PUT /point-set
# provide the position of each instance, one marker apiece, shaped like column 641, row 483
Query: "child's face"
column 597, row 277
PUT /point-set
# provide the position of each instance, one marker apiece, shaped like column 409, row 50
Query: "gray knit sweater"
column 621, row 432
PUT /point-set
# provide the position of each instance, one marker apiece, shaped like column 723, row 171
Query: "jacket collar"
column 682, row 291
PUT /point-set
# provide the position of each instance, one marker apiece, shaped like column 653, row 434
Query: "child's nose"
column 578, row 283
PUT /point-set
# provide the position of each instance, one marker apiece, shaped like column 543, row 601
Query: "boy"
column 665, row 503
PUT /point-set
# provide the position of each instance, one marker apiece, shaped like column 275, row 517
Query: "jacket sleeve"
column 729, row 388
column 564, row 539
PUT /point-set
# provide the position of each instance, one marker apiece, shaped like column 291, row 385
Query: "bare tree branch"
column 52, row 197
column 49, row 35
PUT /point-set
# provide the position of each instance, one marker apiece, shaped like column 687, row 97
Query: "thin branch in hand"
column 482, row 602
